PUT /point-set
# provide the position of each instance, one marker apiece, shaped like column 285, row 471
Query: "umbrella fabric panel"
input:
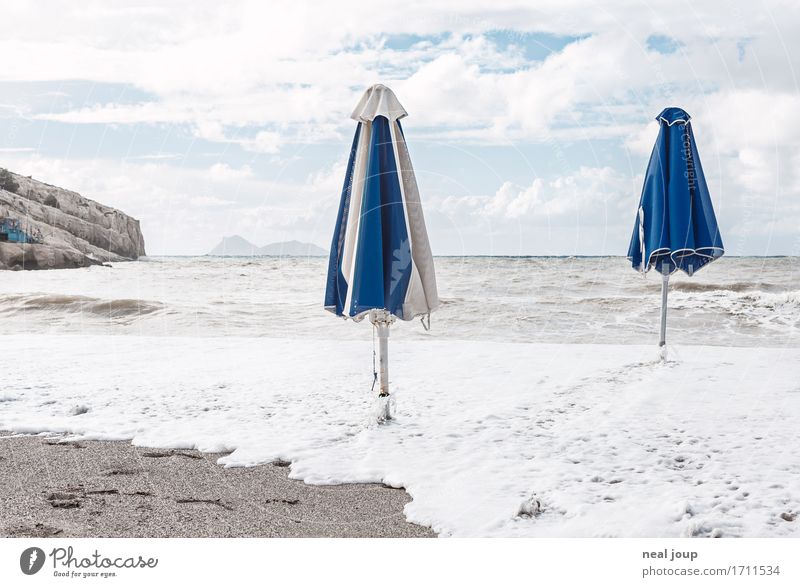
column 422, row 296
column 383, row 254
column 708, row 240
column 336, row 287
column 651, row 227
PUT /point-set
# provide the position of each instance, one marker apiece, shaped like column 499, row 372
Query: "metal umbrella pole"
column 664, row 289
column 382, row 320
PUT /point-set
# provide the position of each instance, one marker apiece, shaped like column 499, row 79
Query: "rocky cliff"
column 73, row 231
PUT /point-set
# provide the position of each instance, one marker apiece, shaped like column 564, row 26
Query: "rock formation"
column 74, row 231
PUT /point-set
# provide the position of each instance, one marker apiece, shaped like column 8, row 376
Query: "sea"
column 735, row 301
column 537, row 405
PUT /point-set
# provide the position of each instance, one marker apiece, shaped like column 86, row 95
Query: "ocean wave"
column 451, row 301
column 76, row 304
column 757, row 308
column 520, row 300
column 787, row 300
column 737, row 286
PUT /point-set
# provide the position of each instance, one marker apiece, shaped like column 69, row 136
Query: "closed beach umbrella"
column 380, row 264
column 675, row 227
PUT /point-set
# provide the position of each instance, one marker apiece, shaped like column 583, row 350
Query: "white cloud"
column 590, row 212
column 209, row 201
column 224, row 172
column 641, row 140
column 269, row 76
column 264, row 142
column 753, row 118
column 590, row 188
column 283, row 64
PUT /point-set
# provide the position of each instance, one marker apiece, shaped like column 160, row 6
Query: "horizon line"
column 489, row 256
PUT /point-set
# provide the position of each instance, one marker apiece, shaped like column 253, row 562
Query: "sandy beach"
column 50, row 488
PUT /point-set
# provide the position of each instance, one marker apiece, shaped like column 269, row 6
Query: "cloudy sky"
column 530, row 121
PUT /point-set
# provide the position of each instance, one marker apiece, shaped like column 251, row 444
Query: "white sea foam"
column 609, row 440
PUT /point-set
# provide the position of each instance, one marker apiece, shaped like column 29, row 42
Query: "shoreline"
column 99, row 489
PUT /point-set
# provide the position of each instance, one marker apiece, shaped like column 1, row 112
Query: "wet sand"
column 50, row 488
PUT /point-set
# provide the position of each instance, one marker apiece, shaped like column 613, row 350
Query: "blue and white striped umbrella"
column 380, row 263
column 380, row 257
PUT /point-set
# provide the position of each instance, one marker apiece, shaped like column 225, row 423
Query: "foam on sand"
column 490, row 439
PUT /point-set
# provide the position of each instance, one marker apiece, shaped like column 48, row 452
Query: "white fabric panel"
column 422, row 296
column 354, row 215
column 415, row 303
column 378, row 100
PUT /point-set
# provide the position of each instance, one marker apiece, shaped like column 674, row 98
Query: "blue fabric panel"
column 383, row 257
column 336, row 287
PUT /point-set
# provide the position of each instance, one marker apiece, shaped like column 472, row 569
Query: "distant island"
column 237, row 246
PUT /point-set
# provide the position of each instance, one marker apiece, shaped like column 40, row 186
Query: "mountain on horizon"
column 237, row 246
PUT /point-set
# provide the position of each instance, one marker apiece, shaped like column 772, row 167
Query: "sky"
column 530, row 122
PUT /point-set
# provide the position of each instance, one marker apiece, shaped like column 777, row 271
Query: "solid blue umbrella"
column 675, row 227
column 380, row 263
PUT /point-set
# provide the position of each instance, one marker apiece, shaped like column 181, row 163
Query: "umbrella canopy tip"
column 378, row 100
column 672, row 115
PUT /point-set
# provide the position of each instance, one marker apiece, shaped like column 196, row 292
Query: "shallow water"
column 734, row 301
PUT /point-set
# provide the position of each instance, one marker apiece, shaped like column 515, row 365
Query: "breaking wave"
column 739, row 286
column 775, row 300
column 75, row 304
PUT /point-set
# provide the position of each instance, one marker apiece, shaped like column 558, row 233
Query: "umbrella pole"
column 383, row 359
column 664, row 290
column 382, row 320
